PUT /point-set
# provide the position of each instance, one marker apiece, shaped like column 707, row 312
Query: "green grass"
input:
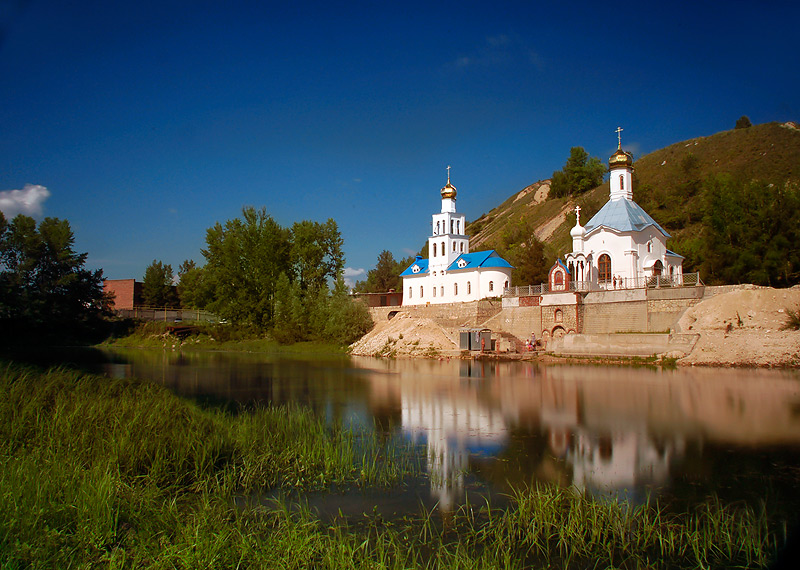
column 216, row 337
column 100, row 473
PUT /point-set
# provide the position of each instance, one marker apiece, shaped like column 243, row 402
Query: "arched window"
column 462, row 247
column 469, row 288
column 491, row 285
column 410, row 289
column 455, row 289
column 558, row 316
column 505, row 285
column 434, row 250
column 621, row 182
column 434, row 291
column 420, row 292
column 442, row 290
column 454, row 246
column 451, row 226
column 649, row 246
column 444, row 251
column 604, row 268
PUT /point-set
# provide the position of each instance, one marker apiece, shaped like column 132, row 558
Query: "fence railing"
column 655, row 282
column 168, row 315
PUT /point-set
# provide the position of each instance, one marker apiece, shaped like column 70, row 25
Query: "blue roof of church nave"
column 488, row 258
column 624, row 216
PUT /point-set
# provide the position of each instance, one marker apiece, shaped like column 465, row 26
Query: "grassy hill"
column 731, row 202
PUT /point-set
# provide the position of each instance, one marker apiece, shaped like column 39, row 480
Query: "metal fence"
column 655, row 282
column 168, row 315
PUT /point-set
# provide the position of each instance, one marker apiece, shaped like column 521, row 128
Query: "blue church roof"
column 488, row 258
column 419, row 262
column 624, row 216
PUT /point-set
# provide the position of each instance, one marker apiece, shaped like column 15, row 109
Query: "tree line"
column 45, row 289
column 283, row 281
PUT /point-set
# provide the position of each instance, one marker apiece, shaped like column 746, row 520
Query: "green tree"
column 580, row 173
column 244, row 259
column 44, row 286
column 316, row 252
column 195, row 290
column 385, row 275
column 750, row 232
column 743, row 122
column 157, row 285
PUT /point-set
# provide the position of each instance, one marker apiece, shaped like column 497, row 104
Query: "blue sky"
column 144, row 123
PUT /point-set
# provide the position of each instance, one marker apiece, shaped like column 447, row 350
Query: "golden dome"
column 449, row 191
column 620, row 158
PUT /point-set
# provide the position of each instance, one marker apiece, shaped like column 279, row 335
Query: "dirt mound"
column 744, row 328
column 405, row 336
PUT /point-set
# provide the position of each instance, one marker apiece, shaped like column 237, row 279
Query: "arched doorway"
column 604, row 268
column 658, row 267
column 559, row 332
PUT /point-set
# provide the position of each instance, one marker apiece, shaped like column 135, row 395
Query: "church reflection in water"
column 603, row 430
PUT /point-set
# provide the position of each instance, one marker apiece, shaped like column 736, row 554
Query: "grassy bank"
column 121, row 474
column 214, row 337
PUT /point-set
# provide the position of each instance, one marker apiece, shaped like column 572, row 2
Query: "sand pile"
column 405, row 336
column 744, row 328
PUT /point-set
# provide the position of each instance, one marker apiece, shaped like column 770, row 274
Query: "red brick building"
column 127, row 293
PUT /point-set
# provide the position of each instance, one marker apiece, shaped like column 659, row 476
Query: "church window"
column 621, row 182
column 604, row 268
column 434, row 291
column 572, row 268
column 462, row 247
column 434, row 250
column 410, row 289
column 444, row 251
column 491, row 285
column 451, row 226
column 505, row 285
column 454, row 246
column 455, row 288
column 469, row 287
column 421, row 292
column 649, row 246
column 442, row 290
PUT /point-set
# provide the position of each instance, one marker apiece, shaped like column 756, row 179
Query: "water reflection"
column 630, row 431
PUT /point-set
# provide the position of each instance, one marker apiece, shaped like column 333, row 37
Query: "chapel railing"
column 654, row 282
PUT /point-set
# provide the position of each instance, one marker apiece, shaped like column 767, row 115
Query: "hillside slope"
column 675, row 185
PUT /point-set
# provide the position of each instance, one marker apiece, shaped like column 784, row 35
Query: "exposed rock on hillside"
column 744, row 328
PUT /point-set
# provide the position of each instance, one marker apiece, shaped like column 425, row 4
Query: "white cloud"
column 28, row 201
column 351, row 275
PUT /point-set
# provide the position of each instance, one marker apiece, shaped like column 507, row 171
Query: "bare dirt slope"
column 744, row 328
column 405, row 336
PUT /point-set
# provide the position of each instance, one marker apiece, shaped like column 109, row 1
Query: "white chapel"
column 452, row 274
column 621, row 246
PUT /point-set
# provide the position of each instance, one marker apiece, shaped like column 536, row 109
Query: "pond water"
column 483, row 427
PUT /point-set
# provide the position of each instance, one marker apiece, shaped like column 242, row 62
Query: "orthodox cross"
column 448, row 175
column 619, row 137
column 577, row 215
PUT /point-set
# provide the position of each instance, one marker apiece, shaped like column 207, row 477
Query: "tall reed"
column 123, row 474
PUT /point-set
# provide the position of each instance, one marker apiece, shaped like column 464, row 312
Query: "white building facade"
column 452, row 274
column 621, row 246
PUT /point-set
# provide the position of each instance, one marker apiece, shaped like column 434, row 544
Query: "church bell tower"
column 620, row 167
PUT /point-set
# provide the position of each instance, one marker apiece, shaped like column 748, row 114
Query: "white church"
column 452, row 274
column 621, row 247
